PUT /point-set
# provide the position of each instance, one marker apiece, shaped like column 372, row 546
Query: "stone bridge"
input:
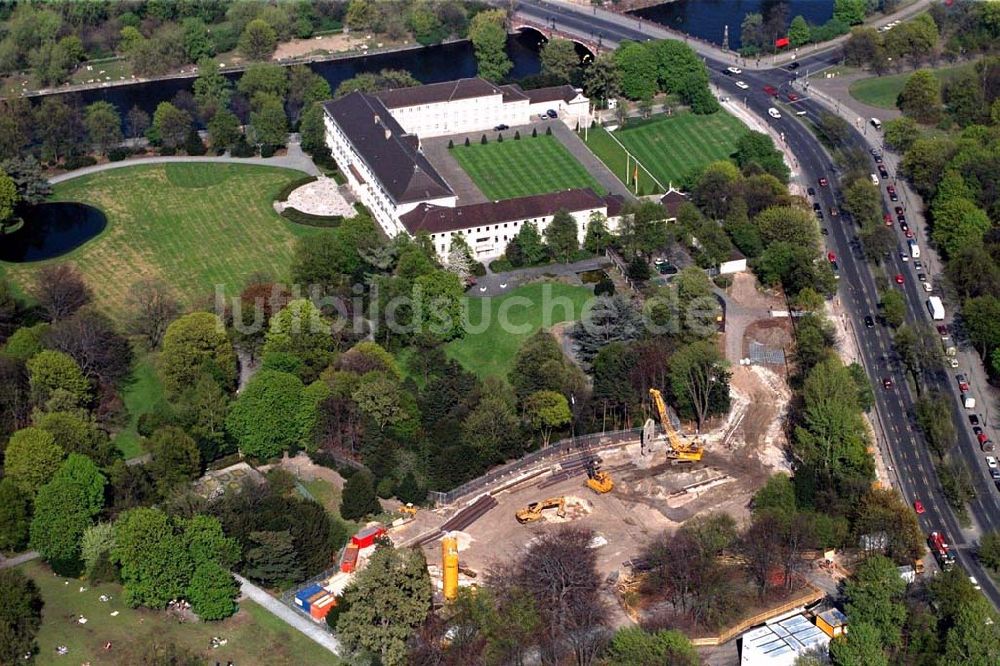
column 519, row 22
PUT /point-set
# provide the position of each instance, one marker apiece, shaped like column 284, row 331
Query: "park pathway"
column 293, row 159
column 8, row 562
column 290, row 617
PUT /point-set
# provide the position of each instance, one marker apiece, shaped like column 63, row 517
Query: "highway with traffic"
column 909, row 457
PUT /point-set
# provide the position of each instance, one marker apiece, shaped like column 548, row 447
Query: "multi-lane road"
column 909, row 458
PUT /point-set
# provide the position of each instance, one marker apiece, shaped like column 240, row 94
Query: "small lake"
column 706, row 19
column 51, row 230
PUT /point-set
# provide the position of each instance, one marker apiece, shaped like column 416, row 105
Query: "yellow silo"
column 449, row 567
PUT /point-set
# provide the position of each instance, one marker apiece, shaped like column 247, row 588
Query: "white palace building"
column 375, row 139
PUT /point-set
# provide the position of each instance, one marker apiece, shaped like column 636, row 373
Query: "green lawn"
column 492, row 351
column 141, row 395
column 251, row 633
column 882, row 91
column 522, row 168
column 193, row 226
column 670, row 147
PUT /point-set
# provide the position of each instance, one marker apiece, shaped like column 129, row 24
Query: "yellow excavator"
column 598, row 481
column 533, row 511
column 678, row 446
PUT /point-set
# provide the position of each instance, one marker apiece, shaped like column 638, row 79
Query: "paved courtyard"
column 321, row 197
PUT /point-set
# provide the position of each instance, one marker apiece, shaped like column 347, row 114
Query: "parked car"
column 869, row 322
column 919, row 265
column 811, row 191
column 888, row 219
column 831, row 257
column 887, row 383
column 771, row 90
column 991, row 462
column 899, row 278
column 551, row 113
column 973, row 419
column 816, row 206
column 824, row 231
column 882, row 171
column 918, row 506
column 734, row 70
column 899, row 210
column 834, row 212
column 742, row 85
column 893, row 196
column 928, row 286
column 963, row 383
column 792, row 97
column 501, row 127
column 823, row 182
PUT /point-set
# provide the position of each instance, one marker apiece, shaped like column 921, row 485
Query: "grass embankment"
column 668, row 147
column 142, row 395
column 507, row 320
column 882, row 91
column 253, row 635
column 533, row 165
column 192, row 226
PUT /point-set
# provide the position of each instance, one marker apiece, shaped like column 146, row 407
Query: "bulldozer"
column 679, row 447
column 533, row 511
column 598, row 481
column 408, row 509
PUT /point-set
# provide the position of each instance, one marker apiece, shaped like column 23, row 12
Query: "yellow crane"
column 598, row 481
column 533, row 511
column 679, row 447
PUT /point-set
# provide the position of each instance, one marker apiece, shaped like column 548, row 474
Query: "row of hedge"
column 287, row 190
column 298, row 217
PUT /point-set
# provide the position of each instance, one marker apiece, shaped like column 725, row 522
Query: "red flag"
column 781, row 41
column 635, row 176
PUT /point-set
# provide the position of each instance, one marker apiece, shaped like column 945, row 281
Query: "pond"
column 51, row 230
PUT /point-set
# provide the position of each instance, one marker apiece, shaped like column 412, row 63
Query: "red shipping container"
column 319, row 608
column 367, row 536
column 349, row 560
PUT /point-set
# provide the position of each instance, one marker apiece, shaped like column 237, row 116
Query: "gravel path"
column 294, row 159
column 8, row 562
column 290, row 617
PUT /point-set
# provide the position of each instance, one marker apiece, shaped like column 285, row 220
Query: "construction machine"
column 533, row 511
column 408, row 509
column 678, row 447
column 598, row 481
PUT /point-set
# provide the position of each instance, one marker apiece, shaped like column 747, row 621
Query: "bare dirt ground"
column 327, row 43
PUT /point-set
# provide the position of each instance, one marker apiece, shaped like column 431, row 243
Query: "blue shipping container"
column 302, row 596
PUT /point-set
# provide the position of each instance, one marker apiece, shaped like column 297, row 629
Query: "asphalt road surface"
column 911, row 460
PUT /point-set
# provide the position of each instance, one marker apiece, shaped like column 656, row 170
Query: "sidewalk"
column 288, row 616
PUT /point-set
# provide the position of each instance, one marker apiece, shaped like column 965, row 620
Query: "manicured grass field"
column 506, row 322
column 141, row 395
column 670, row 147
column 601, row 144
column 882, row 91
column 254, row 635
column 522, row 168
column 193, row 226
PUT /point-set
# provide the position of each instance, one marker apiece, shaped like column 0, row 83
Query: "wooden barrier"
column 813, row 595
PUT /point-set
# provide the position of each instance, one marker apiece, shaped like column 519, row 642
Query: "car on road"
column 824, row 231
column 882, row 171
column 982, row 437
column 908, row 232
column 888, row 219
column 819, row 214
column 831, row 257
column 904, row 257
column 869, row 322
column 922, row 277
column 887, row 383
column 816, row 206
column 903, row 226
column 963, row 383
column 975, row 583
column 942, row 329
column 899, row 278
column 811, row 191
column 823, row 182
column 995, row 474
column 893, row 196
column 771, row 90
column 834, row 212
column 918, row 506
column 792, row 97
column 979, row 432
column 874, row 178
column 836, row 270
column 901, row 218
column 742, row 85
column 774, row 113
column 501, row 127
column 734, row 70
column 793, row 65
column 551, row 113
column 928, row 286
column 973, row 419
column 991, row 462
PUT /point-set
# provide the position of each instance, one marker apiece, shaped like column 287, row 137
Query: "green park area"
column 882, row 91
column 668, row 148
column 192, row 226
column 142, row 395
column 250, row 634
column 507, row 320
column 520, row 168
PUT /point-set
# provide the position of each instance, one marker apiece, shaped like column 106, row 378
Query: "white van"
column 874, row 179
column 773, row 112
column 914, row 248
column 876, row 123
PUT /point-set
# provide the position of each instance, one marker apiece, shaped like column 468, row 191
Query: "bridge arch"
column 586, row 51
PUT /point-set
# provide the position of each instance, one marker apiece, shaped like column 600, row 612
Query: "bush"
column 267, row 150
column 499, row 138
column 193, row 145
column 548, row 131
column 501, row 265
column 118, row 154
column 517, row 135
column 242, row 149
column 284, row 192
column 451, row 144
column 298, row 217
column 168, row 151
column 478, row 269
column 604, row 287
column 79, row 162
column 467, row 143
column 386, row 487
column 534, row 132
column 483, row 140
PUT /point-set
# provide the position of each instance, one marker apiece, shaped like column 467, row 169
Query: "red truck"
column 941, row 550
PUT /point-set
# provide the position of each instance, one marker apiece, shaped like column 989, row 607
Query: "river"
column 444, row 62
column 706, row 19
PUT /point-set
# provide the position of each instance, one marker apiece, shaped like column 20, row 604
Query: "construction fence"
column 571, row 446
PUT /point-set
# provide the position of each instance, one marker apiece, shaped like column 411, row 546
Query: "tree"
column 90, row 339
column 31, row 458
column 212, row 90
column 989, row 549
column 700, row 380
column 546, row 410
column 921, row 97
column 155, row 565
column 631, row 646
column 64, row 508
column 900, row 133
column 272, row 559
column 301, row 330
column 875, row 596
column 312, row 129
column 305, row 88
column 8, row 199
column 488, row 34
column 20, row 616
column 268, row 122
column 15, row 516
column 861, row 647
column 170, row 124
column 755, row 148
column 151, row 307
column 32, row 186
column 798, row 32
column 263, row 419
column 958, row 224
column 75, row 434
column 893, row 308
column 562, row 236
column 601, row 79
column 441, row 294
column 193, row 345
column 136, row 122
column 358, row 499
column 610, row 319
column 980, row 315
column 850, row 12
column 174, row 459
column 389, row 599
column 460, row 259
column 925, row 161
column 104, row 125
column 559, row 59
column 638, row 68
column 538, row 365
column 60, row 291
column 258, row 40
column 491, row 429
column 58, row 126
column 212, row 592
column 96, row 545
